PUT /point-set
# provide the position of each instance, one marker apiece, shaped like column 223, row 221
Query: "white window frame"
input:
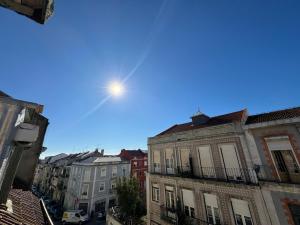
column 155, row 191
column 270, row 151
column 114, row 169
column 240, row 209
column 103, row 174
column 87, row 191
column 87, row 175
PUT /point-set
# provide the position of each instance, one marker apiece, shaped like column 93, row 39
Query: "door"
column 231, row 162
column 169, row 161
column 286, row 164
column 206, row 162
column 185, row 160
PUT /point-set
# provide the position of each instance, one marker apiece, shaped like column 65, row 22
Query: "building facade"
column 139, row 166
column 92, row 183
column 274, row 139
column 52, row 173
column 229, row 169
column 22, row 131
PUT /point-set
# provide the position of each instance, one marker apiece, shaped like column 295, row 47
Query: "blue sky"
column 178, row 56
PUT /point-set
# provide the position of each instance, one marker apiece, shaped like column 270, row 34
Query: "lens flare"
column 116, row 88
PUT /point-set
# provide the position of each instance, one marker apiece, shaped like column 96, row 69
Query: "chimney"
column 199, row 118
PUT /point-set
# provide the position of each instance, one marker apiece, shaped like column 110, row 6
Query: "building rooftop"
column 211, row 121
column 274, row 115
column 25, row 209
column 130, row 154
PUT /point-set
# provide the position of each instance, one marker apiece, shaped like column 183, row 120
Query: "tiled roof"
column 275, row 115
column 212, row 121
column 26, row 209
column 130, row 154
column 2, row 94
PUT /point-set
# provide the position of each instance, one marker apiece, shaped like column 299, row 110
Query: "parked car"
column 75, row 216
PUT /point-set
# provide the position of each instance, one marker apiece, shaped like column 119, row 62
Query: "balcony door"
column 231, row 162
column 169, row 161
column 206, row 162
column 283, row 156
column 185, row 160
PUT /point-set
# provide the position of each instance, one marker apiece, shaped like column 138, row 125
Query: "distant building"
column 139, row 165
column 92, row 183
column 22, row 131
column 52, row 173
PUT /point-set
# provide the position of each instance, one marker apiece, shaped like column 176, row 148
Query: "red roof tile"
column 130, row 154
column 212, row 121
column 26, row 209
column 275, row 115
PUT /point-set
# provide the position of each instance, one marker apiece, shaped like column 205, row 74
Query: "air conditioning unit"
column 27, row 133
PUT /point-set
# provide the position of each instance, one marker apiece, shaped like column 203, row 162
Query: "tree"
column 129, row 200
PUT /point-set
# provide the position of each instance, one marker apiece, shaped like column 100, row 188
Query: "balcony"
column 173, row 216
column 168, row 214
column 287, row 174
column 234, row 175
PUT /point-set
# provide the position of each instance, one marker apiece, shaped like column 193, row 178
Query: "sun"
column 116, row 88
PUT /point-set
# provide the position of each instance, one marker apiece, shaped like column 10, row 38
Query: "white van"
column 75, row 216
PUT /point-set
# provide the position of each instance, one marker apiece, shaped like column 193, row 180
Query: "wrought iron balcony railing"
column 237, row 175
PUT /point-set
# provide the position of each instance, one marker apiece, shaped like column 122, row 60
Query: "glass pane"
column 248, row 220
column 238, row 219
column 186, row 211
column 192, row 212
column 209, row 214
column 217, row 216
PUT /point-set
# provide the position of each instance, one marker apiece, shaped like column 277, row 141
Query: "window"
column 84, row 190
column 185, row 160
column 241, row 212
column 212, row 209
column 155, row 192
column 135, row 164
column 169, row 161
column 113, row 185
column 230, row 161
column 188, row 202
column 102, row 186
column 170, row 201
column 145, row 163
column 206, row 161
column 295, row 211
column 114, row 171
column 103, row 171
column 284, row 158
column 156, row 161
column 87, row 175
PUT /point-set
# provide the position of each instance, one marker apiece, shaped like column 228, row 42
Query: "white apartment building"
column 93, row 181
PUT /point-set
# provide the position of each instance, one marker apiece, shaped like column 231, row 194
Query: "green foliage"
column 129, row 200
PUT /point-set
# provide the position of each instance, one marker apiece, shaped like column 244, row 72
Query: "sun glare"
column 116, row 88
